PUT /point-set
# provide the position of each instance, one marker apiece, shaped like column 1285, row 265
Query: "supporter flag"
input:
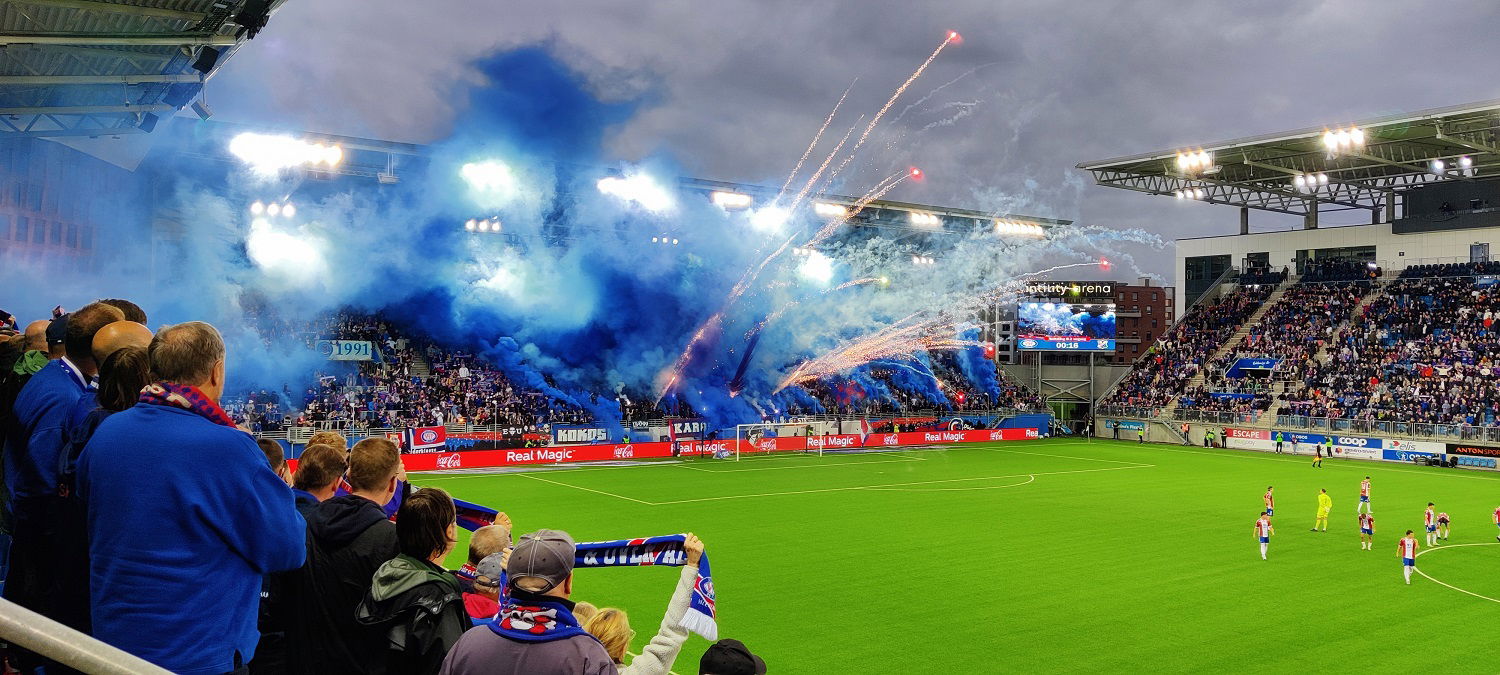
column 473, row 516
column 425, row 439
column 701, row 617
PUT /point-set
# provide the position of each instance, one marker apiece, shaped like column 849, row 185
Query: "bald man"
column 120, row 334
column 36, row 335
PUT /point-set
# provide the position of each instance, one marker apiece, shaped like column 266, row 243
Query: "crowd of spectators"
column 1163, row 373
column 1423, row 351
column 139, row 513
column 461, row 387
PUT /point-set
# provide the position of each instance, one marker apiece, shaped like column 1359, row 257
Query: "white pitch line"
column 1028, row 481
column 922, row 482
column 1460, row 590
column 1044, row 454
column 577, row 487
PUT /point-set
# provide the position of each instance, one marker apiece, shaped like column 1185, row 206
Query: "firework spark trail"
column 939, row 88
column 875, row 193
column 750, row 276
column 909, row 335
column 773, row 316
column 892, row 101
column 814, row 143
column 812, row 180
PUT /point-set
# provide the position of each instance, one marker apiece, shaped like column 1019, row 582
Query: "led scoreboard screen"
column 1065, row 326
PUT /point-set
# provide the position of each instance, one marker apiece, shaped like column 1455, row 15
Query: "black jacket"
column 418, row 609
column 279, row 611
column 348, row 538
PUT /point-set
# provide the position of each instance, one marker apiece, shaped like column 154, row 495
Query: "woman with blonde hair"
column 612, row 626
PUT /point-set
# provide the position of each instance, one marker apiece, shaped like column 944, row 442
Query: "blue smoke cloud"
column 574, row 301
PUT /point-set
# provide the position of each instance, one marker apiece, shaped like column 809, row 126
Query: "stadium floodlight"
column 1337, row 141
column 730, row 200
column 273, row 210
column 1300, row 181
column 928, row 219
column 470, row 225
column 1198, row 193
column 288, row 211
column 830, row 210
column 674, row 242
column 638, row 189
column 270, row 153
column 1438, row 166
column 1192, row 161
column 488, row 176
column 922, row 260
column 1465, row 162
column 257, row 208
column 1322, row 179
column 770, row 218
column 655, row 239
column 484, row 226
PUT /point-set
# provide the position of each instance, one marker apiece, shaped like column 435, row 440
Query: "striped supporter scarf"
column 186, row 397
column 702, row 616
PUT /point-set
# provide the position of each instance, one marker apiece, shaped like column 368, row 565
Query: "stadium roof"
column 392, row 161
column 110, row 67
column 1397, row 153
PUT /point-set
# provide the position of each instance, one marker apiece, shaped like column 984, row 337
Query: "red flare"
column 1104, row 264
column 914, row 173
column 954, row 37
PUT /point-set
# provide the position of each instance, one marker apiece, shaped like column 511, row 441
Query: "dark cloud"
column 735, row 90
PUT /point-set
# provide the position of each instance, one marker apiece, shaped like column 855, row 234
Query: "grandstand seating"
column 1163, row 373
column 419, row 383
column 1420, row 349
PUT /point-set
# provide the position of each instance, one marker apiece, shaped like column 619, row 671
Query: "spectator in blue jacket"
column 185, row 516
column 32, row 450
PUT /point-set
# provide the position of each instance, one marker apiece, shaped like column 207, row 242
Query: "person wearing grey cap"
column 535, row 631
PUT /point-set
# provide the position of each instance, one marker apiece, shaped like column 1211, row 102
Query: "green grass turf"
column 1100, row 556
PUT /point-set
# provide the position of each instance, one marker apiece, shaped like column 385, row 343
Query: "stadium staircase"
column 420, row 366
column 1282, row 386
column 1233, row 342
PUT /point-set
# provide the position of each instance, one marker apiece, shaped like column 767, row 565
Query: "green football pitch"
column 1050, row 555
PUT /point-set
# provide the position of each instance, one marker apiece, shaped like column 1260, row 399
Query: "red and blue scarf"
column 186, row 397
column 535, row 619
column 702, row 614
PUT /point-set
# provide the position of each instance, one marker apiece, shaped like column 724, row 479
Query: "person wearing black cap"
column 730, row 657
column 535, row 631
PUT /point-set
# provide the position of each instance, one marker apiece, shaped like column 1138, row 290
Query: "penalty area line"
column 1029, row 480
column 897, row 485
column 1441, row 583
column 577, row 487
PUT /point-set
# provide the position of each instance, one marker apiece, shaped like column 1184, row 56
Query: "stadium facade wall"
column 1393, row 251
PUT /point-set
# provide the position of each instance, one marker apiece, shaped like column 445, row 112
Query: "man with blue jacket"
column 185, row 516
column 33, row 447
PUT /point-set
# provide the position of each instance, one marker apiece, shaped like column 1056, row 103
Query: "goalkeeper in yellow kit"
column 1325, row 504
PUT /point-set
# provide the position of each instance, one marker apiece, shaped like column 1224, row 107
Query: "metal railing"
column 1418, row 430
column 29, row 630
column 1216, row 416
column 1139, row 412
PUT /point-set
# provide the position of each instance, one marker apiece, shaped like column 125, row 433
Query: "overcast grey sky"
column 738, row 88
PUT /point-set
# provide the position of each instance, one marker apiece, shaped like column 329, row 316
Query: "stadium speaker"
column 148, row 122
column 208, row 57
column 202, row 109
column 180, row 94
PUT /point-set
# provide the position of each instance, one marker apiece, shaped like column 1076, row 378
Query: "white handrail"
column 67, row 646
